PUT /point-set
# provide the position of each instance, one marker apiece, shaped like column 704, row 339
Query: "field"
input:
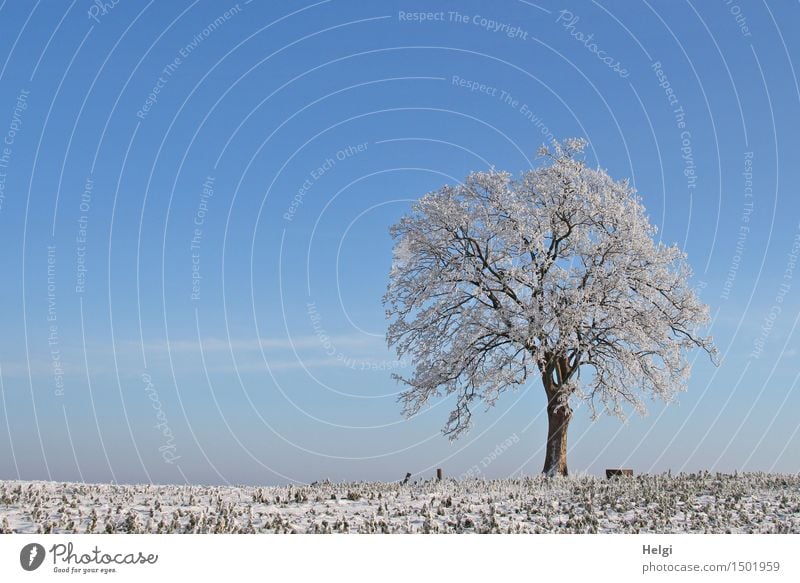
column 700, row 503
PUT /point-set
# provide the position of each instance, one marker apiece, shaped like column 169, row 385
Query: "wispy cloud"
column 39, row 367
column 267, row 344
column 251, row 365
column 357, row 351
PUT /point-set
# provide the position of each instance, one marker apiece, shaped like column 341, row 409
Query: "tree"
column 553, row 275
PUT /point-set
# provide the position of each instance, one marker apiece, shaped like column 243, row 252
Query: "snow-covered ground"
column 685, row 503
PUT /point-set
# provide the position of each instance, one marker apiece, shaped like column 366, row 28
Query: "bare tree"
column 554, row 274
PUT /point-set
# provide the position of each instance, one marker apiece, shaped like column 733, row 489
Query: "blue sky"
column 194, row 213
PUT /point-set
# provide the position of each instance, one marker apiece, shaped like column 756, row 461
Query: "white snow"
column 707, row 503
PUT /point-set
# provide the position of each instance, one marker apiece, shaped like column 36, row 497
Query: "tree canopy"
column 555, row 274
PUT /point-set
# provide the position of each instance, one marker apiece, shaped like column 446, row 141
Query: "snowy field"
column 707, row 503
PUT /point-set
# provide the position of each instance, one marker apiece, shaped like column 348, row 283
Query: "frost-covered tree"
column 555, row 275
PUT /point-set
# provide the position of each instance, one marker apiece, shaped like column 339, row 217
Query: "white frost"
column 705, row 503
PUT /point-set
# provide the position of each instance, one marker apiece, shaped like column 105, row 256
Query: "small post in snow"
column 617, row 473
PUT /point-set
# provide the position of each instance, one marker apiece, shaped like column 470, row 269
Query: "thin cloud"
column 297, row 342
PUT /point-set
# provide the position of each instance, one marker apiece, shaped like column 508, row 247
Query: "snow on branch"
column 550, row 274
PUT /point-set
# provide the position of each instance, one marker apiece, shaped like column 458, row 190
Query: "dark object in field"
column 407, row 478
column 438, row 473
column 617, row 473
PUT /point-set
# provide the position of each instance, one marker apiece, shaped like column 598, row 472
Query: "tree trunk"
column 558, row 417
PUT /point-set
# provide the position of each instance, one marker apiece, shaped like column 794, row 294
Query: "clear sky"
column 194, row 209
